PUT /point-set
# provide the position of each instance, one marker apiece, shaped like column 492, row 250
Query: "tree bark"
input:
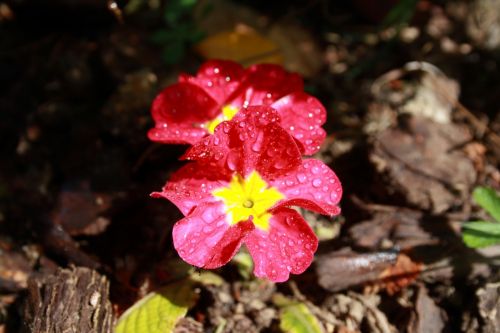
column 73, row 300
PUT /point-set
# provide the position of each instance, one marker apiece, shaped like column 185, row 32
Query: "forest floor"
column 412, row 94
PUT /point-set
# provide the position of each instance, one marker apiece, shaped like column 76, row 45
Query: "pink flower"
column 191, row 109
column 239, row 189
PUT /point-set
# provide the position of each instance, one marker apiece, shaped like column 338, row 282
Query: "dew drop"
column 316, row 182
column 257, row 145
column 315, row 170
column 301, row 177
column 232, row 161
column 280, row 164
column 272, row 151
column 207, row 229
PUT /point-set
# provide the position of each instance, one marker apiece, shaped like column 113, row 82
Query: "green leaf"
column 489, row 200
column 176, row 9
column 173, row 52
column 401, row 13
column 159, row 311
column 207, row 278
column 244, row 263
column 481, row 234
column 296, row 318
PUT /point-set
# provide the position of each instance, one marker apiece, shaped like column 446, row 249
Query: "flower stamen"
column 249, row 198
column 248, row 203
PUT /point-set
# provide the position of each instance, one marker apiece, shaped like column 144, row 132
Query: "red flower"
column 238, row 190
column 191, row 109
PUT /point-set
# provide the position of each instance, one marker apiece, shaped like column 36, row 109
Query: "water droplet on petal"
column 232, row 161
column 280, row 164
column 257, row 145
column 208, row 229
column 316, row 182
column 301, row 177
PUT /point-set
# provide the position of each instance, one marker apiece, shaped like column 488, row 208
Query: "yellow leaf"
column 243, row 45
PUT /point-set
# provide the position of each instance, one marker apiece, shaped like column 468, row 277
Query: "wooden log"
column 72, row 300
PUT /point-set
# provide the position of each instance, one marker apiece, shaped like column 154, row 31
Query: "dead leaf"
column 358, row 313
column 243, row 45
column 79, row 210
column 419, row 162
column 397, row 276
column 483, row 23
column 489, row 305
column 428, row 317
column 240, row 33
column 343, row 269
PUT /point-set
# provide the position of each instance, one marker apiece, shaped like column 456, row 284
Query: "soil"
column 413, row 127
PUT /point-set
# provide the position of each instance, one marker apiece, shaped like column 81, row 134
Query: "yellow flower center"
column 250, row 196
column 228, row 112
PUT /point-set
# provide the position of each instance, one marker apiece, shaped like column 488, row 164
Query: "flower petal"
column 302, row 116
column 288, row 246
column 205, row 239
column 219, row 78
column 252, row 140
column 179, row 111
column 312, row 186
column 192, row 185
column 263, row 84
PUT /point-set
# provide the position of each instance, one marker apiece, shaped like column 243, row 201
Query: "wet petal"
column 192, row 185
column 264, row 84
column 205, row 239
column 180, row 110
column 312, row 186
column 302, row 116
column 219, row 78
column 288, row 246
column 253, row 140
column 176, row 134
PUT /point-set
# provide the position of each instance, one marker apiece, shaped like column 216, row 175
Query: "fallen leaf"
column 397, row 276
column 243, row 45
column 488, row 304
column 417, row 162
column 428, row 317
column 343, row 269
column 79, row 210
column 295, row 317
column 159, row 311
